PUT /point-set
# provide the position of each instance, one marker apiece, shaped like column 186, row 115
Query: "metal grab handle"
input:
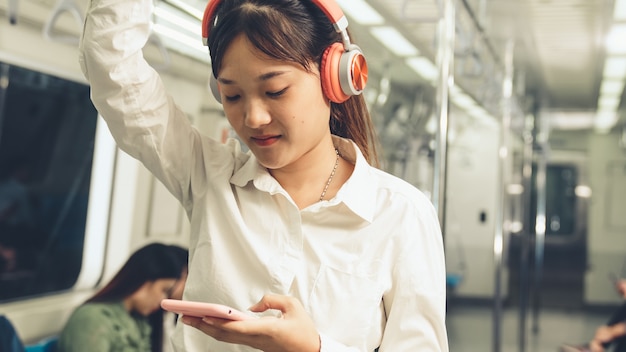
column 63, row 6
column 13, row 11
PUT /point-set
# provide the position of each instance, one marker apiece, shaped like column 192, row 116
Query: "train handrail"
column 61, row 7
column 13, row 11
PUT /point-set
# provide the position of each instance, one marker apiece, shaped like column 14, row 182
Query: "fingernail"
column 207, row 320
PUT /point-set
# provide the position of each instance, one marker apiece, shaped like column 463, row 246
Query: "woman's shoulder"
column 87, row 319
column 97, row 310
column 398, row 186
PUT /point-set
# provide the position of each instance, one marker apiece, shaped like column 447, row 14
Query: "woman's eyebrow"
column 263, row 77
column 269, row 75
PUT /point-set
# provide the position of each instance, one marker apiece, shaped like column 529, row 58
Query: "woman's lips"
column 265, row 141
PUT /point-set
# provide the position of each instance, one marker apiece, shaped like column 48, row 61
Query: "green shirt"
column 104, row 327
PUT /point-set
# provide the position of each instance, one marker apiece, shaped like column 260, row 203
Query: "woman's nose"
column 256, row 114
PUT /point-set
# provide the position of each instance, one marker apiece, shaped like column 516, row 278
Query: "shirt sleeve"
column 415, row 306
column 130, row 96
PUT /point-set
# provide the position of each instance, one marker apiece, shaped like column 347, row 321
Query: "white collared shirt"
column 367, row 265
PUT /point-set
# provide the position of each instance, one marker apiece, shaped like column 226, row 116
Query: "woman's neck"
column 307, row 180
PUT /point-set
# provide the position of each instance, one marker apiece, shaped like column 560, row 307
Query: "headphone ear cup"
column 330, row 71
column 353, row 71
column 215, row 88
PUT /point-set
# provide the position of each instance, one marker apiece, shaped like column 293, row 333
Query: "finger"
column 278, row 302
column 196, row 323
column 215, row 327
column 207, row 325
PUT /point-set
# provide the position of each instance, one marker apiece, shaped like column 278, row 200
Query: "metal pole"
column 501, row 230
column 540, row 234
column 4, row 86
column 527, row 170
column 445, row 58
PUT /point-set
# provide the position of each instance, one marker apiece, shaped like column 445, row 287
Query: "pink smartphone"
column 201, row 309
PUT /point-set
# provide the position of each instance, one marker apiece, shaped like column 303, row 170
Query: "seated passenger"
column 9, row 339
column 170, row 319
column 125, row 315
column 611, row 334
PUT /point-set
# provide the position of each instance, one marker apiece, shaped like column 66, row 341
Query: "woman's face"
column 277, row 108
column 147, row 299
column 176, row 292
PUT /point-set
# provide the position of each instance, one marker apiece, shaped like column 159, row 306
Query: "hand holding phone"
column 201, row 309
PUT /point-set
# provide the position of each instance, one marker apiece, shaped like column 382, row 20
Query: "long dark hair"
column 150, row 263
column 295, row 31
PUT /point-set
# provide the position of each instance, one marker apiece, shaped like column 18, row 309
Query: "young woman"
column 125, row 315
column 335, row 254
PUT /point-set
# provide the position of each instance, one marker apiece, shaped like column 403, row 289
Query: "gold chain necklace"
column 330, row 178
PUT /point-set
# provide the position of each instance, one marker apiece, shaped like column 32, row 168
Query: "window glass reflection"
column 47, row 130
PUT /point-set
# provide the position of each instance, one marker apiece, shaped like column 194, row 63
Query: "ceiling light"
column 611, row 87
column 361, row 12
column 181, row 38
column 619, row 13
column 179, row 29
column 605, row 120
column 481, row 115
column 193, row 11
column 570, row 120
column 609, row 103
column 463, row 101
column 394, row 41
column 583, row 191
column 515, row 189
column 477, row 112
column 424, row 67
column 615, row 43
column 615, row 67
column 175, row 20
column 454, row 89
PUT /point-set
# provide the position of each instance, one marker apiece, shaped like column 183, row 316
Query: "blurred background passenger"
column 170, row 319
column 612, row 335
column 9, row 339
column 125, row 315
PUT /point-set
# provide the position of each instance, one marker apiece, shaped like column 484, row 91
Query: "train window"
column 561, row 201
column 47, row 133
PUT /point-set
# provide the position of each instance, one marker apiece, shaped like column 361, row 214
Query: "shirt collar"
column 358, row 193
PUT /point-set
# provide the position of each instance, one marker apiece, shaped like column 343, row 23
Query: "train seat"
column 453, row 280
column 47, row 344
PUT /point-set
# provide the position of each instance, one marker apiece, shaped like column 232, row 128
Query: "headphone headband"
column 343, row 68
column 330, row 8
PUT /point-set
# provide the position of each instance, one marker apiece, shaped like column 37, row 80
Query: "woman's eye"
column 232, row 97
column 277, row 94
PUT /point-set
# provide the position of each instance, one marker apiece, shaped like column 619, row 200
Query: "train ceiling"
column 559, row 57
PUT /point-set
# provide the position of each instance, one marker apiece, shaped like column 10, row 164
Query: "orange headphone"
column 343, row 68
